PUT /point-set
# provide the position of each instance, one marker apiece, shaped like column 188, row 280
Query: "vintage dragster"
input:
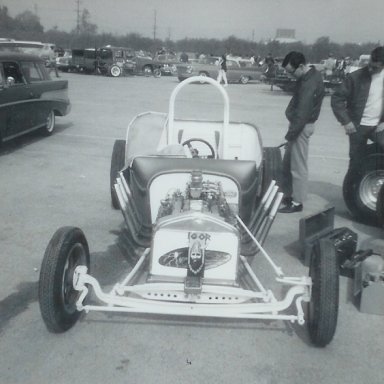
column 199, row 199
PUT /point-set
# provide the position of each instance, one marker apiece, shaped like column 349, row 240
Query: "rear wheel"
column 49, row 126
column 67, row 249
column 117, row 164
column 272, row 167
column 323, row 307
column 361, row 187
column 115, row 71
column 380, row 206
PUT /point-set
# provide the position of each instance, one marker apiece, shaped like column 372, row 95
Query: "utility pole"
column 35, row 9
column 78, row 16
column 154, row 25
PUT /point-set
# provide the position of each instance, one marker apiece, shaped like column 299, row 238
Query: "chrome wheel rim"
column 369, row 188
column 69, row 296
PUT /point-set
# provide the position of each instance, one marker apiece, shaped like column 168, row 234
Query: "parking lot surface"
column 46, row 183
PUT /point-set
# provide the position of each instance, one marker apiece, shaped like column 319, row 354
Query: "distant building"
column 285, row 35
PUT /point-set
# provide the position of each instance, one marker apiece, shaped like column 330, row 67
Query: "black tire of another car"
column 49, row 127
column 157, row 72
column 324, row 303
column 67, row 249
column 361, row 187
column 117, row 164
column 272, row 167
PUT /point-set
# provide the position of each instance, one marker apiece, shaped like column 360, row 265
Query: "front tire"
column 115, row 71
column 117, row 164
column 67, row 249
column 323, row 307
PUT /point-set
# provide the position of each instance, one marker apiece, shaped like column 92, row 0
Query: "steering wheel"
column 195, row 152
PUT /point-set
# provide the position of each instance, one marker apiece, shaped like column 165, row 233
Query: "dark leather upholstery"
column 144, row 169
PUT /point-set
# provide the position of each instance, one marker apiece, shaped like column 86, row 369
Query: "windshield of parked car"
column 105, row 54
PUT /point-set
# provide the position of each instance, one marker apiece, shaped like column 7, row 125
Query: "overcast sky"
column 341, row 20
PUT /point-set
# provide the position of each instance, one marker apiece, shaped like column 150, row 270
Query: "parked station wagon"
column 29, row 98
column 237, row 71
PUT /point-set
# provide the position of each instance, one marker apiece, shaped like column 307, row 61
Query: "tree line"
column 27, row 26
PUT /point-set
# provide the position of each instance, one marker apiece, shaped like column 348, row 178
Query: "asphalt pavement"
column 49, row 182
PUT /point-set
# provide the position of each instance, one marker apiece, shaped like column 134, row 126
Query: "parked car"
column 237, row 71
column 115, row 61
column 167, row 63
column 64, row 62
column 29, row 98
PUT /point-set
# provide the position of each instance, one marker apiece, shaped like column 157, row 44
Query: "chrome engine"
column 200, row 195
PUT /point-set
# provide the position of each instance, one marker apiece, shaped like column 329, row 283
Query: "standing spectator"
column 52, row 61
column 269, row 61
column 184, row 57
column 358, row 105
column 329, row 66
column 302, row 112
column 223, row 70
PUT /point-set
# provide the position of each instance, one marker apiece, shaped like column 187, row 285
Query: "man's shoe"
column 286, row 200
column 291, row 208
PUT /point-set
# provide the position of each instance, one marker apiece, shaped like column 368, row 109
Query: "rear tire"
column 147, row 70
column 380, row 206
column 361, row 188
column 272, row 167
column 117, row 164
column 49, row 127
column 323, row 307
column 67, row 249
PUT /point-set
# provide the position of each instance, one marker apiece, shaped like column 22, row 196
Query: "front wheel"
column 67, row 249
column 324, row 304
column 115, row 71
column 272, row 167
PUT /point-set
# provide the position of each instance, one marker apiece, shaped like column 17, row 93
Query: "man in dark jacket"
column 302, row 112
column 358, row 105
